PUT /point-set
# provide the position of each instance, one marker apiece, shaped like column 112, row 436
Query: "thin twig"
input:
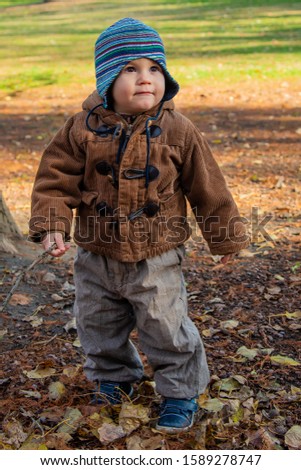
column 34, row 421
column 47, row 341
column 22, row 274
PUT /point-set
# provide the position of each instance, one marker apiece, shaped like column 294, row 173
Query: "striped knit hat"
column 124, row 41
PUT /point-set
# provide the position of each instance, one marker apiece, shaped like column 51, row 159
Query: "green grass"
column 31, row 78
column 14, row 3
column 53, row 42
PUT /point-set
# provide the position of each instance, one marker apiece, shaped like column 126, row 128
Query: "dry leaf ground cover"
column 247, row 312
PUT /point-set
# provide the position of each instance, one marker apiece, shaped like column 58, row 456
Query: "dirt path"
column 248, row 312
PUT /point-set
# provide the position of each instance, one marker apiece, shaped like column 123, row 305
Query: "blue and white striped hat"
column 124, row 41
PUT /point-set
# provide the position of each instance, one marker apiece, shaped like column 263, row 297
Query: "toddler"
column 127, row 163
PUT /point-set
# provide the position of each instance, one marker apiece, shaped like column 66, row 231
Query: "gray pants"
column 112, row 298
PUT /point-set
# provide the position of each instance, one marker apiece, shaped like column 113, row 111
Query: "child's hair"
column 124, row 41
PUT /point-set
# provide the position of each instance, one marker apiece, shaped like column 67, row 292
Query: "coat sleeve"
column 56, row 189
column 211, row 201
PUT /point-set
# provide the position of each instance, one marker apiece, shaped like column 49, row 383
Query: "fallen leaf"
column 30, row 394
column 229, row 324
column 296, row 314
column 250, row 404
column 277, row 327
column 213, row 404
column 58, row 441
column 201, row 435
column 3, row 333
column 237, row 411
column 208, row 333
column 247, row 353
column 295, row 390
column 265, row 351
column 205, row 318
column 68, row 287
column 56, row 390
column 246, row 254
column 39, row 309
column 57, row 297
column 34, row 320
column 110, row 432
column 132, row 416
column 39, row 372
column 216, row 300
column 294, row 326
column 288, row 315
column 71, row 422
column 274, row 290
column 293, row 438
column 264, row 440
column 15, row 433
column 229, row 384
column 296, row 267
column 54, row 416
column 33, row 442
column 70, row 325
column 296, row 280
column 96, row 420
column 147, row 387
column 153, row 443
column 20, row 299
column 76, row 343
column 284, row 360
column 242, row 394
column 49, row 277
column 134, row 443
column 72, row 371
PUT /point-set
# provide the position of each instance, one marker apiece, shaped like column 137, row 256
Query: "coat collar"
column 111, row 117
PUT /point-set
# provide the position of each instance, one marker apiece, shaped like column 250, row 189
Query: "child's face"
column 139, row 87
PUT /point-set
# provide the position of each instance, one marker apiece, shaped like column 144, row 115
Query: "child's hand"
column 225, row 259
column 55, row 237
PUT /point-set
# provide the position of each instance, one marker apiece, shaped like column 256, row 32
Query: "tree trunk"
column 9, row 231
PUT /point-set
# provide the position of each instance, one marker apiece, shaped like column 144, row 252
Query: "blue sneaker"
column 112, row 393
column 176, row 415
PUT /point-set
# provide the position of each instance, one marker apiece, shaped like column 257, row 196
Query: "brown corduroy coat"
column 96, row 176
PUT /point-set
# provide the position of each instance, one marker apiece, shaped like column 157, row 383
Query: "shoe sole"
column 172, row 430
